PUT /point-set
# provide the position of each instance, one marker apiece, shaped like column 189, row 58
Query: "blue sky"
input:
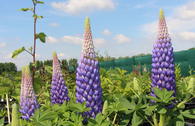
column 119, row 27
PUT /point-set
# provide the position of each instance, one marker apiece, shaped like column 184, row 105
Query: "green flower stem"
column 155, row 120
column 162, row 120
column 145, row 118
column 8, row 113
column 15, row 120
column 113, row 122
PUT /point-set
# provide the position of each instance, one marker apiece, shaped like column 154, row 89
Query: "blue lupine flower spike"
column 88, row 85
column 28, row 100
column 163, row 71
column 59, row 91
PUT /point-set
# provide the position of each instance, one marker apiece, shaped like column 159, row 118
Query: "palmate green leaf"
column 164, row 95
column 179, row 121
column 78, row 107
column 189, row 113
column 77, row 119
column 42, row 116
column 121, row 104
column 41, row 36
column 150, row 109
column 46, row 123
column 17, row 52
column 100, row 120
column 136, row 120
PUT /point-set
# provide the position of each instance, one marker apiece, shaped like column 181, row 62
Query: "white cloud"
column 80, row 6
column 120, row 38
column 106, row 32
column 2, row 44
column 186, row 11
column 187, row 36
column 54, row 24
column 99, row 42
column 72, row 39
column 180, row 24
column 51, row 39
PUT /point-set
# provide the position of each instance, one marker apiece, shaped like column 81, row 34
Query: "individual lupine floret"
column 88, row 85
column 163, row 71
column 59, row 91
column 28, row 100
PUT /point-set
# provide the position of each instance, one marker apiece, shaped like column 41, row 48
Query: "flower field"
column 54, row 95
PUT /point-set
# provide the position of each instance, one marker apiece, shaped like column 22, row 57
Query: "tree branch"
column 28, row 52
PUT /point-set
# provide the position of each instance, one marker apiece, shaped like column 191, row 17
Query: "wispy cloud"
column 186, row 11
column 51, row 39
column 2, row 44
column 120, row 38
column 80, row 6
column 54, row 24
column 106, row 32
column 74, row 40
column 149, row 4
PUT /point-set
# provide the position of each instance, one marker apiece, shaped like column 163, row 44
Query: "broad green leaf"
column 105, row 108
column 179, row 120
column 2, row 122
column 162, row 111
column 30, row 49
column 191, row 85
column 150, row 109
column 41, row 36
column 26, row 9
column 17, row 52
column 77, row 107
column 189, row 113
column 135, row 84
column 38, row 17
column 39, row 2
column 136, row 120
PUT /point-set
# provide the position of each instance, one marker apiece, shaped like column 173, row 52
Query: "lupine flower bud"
column 163, row 71
column 88, row 85
column 28, row 101
column 59, row 91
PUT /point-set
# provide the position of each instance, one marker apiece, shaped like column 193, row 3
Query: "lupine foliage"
column 126, row 95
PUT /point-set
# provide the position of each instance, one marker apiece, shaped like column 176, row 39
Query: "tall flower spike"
column 59, row 91
column 88, row 85
column 163, row 71
column 28, row 101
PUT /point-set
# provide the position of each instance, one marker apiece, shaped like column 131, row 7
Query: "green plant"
column 41, row 36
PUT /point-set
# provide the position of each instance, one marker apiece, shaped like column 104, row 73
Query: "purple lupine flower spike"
column 59, row 91
column 28, row 100
column 88, row 85
column 163, row 71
